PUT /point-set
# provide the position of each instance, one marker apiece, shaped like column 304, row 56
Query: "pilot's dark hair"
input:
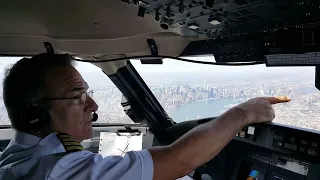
column 24, row 83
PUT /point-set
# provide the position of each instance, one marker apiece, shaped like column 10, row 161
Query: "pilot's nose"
column 91, row 105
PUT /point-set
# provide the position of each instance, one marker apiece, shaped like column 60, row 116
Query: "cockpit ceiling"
column 96, row 27
column 108, row 27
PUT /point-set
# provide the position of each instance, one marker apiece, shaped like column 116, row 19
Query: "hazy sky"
column 170, row 65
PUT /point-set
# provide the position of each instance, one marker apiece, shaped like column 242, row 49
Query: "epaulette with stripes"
column 69, row 143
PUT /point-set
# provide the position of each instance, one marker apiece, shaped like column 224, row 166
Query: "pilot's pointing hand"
column 260, row 109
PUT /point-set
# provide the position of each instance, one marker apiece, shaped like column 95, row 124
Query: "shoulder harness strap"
column 69, row 143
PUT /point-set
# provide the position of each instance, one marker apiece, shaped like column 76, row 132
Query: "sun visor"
column 168, row 44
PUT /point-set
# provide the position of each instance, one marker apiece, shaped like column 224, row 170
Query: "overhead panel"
column 224, row 18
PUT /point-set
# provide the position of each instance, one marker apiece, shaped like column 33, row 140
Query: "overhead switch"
column 157, row 18
column 168, row 13
column 251, row 130
column 141, row 11
column 181, row 7
column 209, row 3
column 193, row 26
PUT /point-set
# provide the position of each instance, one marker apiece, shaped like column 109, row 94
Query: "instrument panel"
column 268, row 152
column 296, row 142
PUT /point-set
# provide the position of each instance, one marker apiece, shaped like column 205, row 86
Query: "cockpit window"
column 189, row 91
column 5, row 62
column 106, row 94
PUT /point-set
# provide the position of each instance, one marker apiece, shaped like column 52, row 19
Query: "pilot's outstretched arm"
column 204, row 142
column 91, row 166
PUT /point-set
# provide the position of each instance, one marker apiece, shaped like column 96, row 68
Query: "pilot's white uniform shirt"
column 30, row 157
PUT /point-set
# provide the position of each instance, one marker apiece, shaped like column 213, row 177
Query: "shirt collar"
column 26, row 139
column 51, row 141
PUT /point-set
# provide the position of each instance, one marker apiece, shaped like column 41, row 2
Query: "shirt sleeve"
column 135, row 165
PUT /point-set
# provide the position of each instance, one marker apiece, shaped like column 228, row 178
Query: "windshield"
column 189, row 91
column 106, row 94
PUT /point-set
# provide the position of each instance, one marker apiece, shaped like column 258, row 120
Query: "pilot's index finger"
column 277, row 99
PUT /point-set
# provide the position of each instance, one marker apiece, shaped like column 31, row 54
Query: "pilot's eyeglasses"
column 82, row 97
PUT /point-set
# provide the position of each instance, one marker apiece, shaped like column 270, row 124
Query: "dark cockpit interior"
column 121, row 37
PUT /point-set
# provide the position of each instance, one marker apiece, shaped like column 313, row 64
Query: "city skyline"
column 208, row 93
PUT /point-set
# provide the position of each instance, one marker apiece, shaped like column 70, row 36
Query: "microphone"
column 95, row 117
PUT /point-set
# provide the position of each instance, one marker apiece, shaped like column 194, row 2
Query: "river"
column 201, row 109
column 204, row 109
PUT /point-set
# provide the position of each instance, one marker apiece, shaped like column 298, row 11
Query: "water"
column 202, row 109
column 307, row 90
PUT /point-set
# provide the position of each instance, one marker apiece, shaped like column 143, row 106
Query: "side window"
column 5, row 62
column 106, row 95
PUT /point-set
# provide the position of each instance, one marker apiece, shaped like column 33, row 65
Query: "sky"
column 170, row 65
column 178, row 71
column 86, row 67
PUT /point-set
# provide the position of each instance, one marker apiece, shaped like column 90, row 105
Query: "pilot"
column 52, row 112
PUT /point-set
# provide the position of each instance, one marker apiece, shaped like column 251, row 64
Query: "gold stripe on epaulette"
column 68, row 139
column 69, row 143
column 64, row 135
column 71, row 148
